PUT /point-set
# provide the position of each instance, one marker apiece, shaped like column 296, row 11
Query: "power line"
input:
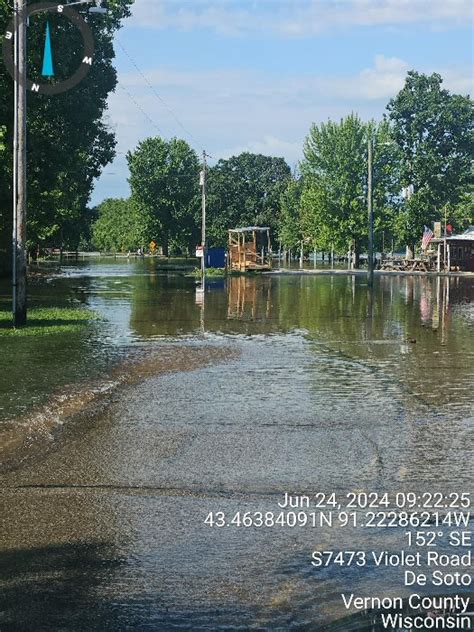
column 135, row 102
column 160, row 98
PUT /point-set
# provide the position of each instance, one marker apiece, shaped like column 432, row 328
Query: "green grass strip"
column 48, row 320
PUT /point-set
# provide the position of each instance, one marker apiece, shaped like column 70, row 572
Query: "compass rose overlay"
column 87, row 56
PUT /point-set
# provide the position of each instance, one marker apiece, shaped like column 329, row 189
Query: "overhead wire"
column 135, row 102
column 159, row 97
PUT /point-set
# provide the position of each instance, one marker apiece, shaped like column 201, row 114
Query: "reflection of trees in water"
column 405, row 327
column 164, row 306
column 437, row 362
column 172, row 305
column 420, row 358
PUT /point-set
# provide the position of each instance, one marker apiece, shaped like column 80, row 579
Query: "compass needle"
column 48, row 70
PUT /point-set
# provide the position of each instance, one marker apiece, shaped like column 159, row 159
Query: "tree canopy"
column 434, row 130
column 245, row 190
column 290, row 229
column 426, row 140
column 69, row 141
column 334, row 189
column 164, row 180
column 121, row 226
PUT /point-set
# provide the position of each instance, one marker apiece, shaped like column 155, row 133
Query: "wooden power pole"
column 19, row 171
column 370, row 217
column 203, row 224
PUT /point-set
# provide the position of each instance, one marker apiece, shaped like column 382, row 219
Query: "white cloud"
column 253, row 89
column 246, row 110
column 295, row 18
column 458, row 80
column 385, row 79
column 269, row 146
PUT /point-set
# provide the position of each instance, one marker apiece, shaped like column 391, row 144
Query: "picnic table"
column 407, row 265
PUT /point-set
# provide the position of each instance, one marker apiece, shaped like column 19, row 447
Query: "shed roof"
column 467, row 235
column 248, row 229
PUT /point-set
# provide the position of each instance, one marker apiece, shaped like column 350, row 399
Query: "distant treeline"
column 422, row 170
column 423, row 147
column 165, row 203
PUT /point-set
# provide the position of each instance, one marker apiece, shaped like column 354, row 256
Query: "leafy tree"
column 68, row 141
column 79, row 236
column 334, row 172
column 164, row 179
column 462, row 214
column 290, row 232
column 120, row 226
column 245, row 190
column 334, row 196
column 434, row 130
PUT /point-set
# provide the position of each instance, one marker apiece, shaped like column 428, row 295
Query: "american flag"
column 427, row 237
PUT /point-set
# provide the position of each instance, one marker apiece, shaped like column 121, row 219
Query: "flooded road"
column 261, row 386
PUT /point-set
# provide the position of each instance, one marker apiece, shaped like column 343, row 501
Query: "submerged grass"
column 48, row 320
column 210, row 272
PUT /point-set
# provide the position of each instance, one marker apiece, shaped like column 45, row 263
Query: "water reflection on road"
column 325, row 388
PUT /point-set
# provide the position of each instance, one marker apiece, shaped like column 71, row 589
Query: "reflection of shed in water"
column 250, row 249
column 247, row 299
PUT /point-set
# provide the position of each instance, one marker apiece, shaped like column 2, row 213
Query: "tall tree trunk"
column 356, row 255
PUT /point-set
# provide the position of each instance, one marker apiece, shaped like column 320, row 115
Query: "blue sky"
column 252, row 75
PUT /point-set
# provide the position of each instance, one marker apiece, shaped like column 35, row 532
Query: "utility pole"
column 19, row 170
column 15, row 161
column 370, row 216
column 19, row 248
column 203, row 225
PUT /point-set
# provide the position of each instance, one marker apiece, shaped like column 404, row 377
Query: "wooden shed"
column 250, row 249
column 456, row 252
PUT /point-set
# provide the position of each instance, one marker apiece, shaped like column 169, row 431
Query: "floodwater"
column 179, row 403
